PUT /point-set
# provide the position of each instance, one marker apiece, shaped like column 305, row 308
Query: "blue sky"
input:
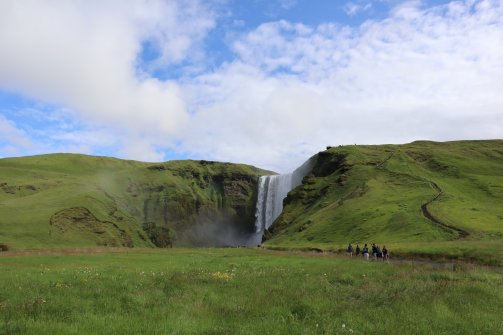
column 261, row 82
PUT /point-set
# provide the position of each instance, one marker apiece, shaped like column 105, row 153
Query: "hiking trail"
column 427, row 214
column 424, row 207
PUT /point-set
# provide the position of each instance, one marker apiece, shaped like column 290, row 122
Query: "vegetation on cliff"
column 65, row 200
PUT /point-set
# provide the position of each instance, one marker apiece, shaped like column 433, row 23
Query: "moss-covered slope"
column 65, row 200
column 418, row 192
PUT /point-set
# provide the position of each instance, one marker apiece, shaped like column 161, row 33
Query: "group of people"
column 377, row 252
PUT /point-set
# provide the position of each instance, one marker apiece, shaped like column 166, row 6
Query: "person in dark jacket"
column 350, row 250
column 358, row 250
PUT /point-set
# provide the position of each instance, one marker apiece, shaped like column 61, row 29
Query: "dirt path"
column 104, row 250
column 380, row 165
column 264, row 251
column 427, row 214
column 424, row 207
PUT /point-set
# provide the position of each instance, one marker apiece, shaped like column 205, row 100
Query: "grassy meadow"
column 243, row 291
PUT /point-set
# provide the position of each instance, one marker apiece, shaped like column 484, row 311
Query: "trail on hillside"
column 424, row 207
column 427, row 214
column 380, row 165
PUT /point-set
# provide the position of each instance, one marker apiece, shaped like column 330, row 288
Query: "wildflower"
column 222, row 276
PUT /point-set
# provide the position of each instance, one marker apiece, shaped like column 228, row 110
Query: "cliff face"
column 77, row 200
column 202, row 203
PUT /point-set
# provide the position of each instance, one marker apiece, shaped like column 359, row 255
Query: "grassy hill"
column 64, row 200
column 423, row 198
column 426, row 199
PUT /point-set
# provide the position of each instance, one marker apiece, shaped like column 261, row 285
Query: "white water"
column 272, row 191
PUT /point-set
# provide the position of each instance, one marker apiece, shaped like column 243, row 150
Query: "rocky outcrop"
column 201, row 203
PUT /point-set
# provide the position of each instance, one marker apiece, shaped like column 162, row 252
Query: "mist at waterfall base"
column 214, row 231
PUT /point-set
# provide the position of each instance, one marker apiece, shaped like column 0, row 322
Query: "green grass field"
column 243, row 291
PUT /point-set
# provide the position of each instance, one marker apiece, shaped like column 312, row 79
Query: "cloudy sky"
column 262, row 82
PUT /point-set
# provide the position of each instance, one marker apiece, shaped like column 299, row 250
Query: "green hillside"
column 419, row 198
column 64, row 200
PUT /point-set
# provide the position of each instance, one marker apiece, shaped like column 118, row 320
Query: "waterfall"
column 272, row 190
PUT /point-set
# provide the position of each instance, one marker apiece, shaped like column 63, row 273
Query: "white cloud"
column 292, row 89
column 287, row 4
column 142, row 149
column 84, row 55
column 352, row 8
column 13, row 136
column 271, row 122
column 51, row 131
column 419, row 74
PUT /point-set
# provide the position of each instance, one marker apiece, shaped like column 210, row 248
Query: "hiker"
column 378, row 252
column 350, row 250
column 365, row 252
column 385, row 255
column 374, row 251
column 358, row 250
